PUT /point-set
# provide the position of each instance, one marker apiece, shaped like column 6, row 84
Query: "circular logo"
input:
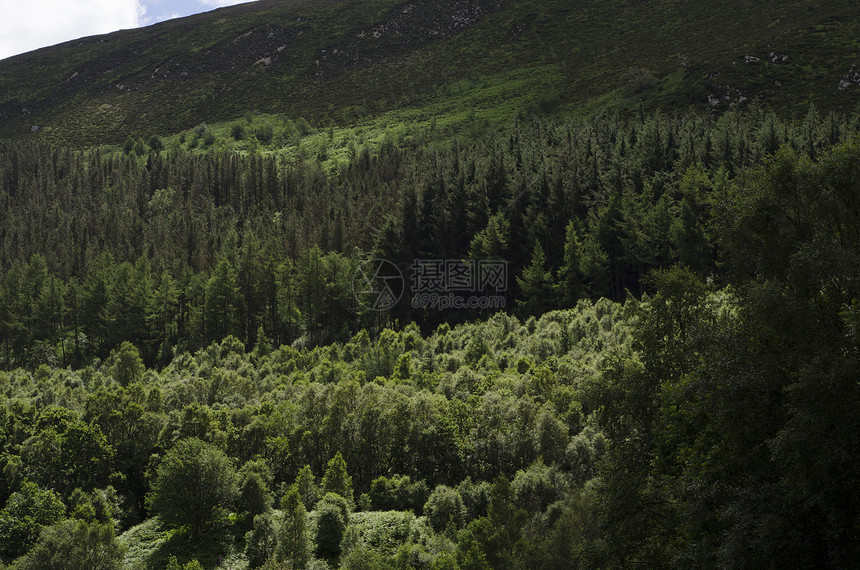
column 377, row 285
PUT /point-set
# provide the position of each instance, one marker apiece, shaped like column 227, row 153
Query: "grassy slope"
column 430, row 59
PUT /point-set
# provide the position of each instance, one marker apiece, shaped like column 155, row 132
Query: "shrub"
column 194, row 484
column 444, row 508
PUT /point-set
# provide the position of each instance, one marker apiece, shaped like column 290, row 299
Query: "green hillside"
column 456, row 285
column 346, row 61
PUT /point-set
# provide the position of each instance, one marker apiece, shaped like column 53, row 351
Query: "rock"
column 34, row 128
column 849, row 79
column 751, row 59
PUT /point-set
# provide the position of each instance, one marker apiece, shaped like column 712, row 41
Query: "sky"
column 26, row 25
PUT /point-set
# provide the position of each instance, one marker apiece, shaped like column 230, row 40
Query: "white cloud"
column 31, row 24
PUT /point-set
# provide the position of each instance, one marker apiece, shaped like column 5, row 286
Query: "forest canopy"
column 673, row 381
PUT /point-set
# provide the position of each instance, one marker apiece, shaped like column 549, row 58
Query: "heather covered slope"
column 347, row 61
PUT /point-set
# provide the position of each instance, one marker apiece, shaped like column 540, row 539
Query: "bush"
column 261, row 541
column 364, row 559
column 24, row 515
column 331, row 525
column 156, row 144
column 264, row 133
column 75, row 545
column 194, row 484
column 254, row 496
column 444, row 508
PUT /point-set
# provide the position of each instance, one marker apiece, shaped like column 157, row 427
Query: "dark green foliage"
column 156, row 144
column 331, row 524
column 237, row 131
column 294, row 543
column 218, row 243
column 445, row 509
column 222, row 303
column 701, row 416
column 193, row 485
column 261, row 541
column 253, row 497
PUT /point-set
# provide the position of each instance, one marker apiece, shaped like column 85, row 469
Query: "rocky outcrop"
column 849, row 79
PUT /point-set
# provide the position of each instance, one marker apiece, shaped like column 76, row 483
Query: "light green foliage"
column 173, row 564
column 398, row 493
column 27, row 510
column 307, row 487
column 336, row 479
column 380, row 531
column 127, row 365
column 75, row 545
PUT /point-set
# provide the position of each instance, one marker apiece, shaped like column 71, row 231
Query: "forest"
column 188, row 379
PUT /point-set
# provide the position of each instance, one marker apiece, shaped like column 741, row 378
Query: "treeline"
column 710, row 422
column 408, row 417
column 172, row 249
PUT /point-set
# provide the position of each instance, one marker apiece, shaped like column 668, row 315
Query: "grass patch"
column 150, row 545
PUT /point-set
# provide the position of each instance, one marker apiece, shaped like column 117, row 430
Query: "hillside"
column 463, row 284
column 455, row 60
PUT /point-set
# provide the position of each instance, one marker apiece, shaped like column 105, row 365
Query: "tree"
column 294, row 543
column 569, row 287
column 337, row 479
column 194, row 485
column 495, row 540
column 306, row 484
column 26, row 512
column 331, row 524
column 127, row 365
column 254, row 497
column 75, row 545
column 444, row 508
column 261, row 541
column 222, row 302
column 160, row 314
column 535, row 284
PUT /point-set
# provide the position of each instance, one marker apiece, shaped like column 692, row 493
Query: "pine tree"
column 337, row 479
column 222, row 301
column 535, row 285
